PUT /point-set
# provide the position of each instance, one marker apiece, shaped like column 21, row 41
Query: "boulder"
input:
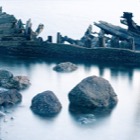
column 5, row 76
column 65, row 67
column 92, row 93
column 17, row 82
column 46, row 104
column 9, row 97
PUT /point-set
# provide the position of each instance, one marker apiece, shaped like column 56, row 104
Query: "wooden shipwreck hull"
column 19, row 40
column 73, row 53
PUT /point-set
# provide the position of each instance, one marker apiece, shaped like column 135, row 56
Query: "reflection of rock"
column 9, row 97
column 17, row 82
column 65, row 67
column 46, row 104
column 86, row 118
column 92, row 93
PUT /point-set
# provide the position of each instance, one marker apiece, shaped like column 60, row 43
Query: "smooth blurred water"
column 71, row 17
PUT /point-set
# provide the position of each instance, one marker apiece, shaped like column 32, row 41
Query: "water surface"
column 71, row 17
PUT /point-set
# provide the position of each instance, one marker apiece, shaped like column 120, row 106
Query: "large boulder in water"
column 65, row 67
column 46, row 104
column 9, row 97
column 91, row 93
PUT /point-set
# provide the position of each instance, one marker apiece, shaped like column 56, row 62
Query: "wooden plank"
column 118, row 31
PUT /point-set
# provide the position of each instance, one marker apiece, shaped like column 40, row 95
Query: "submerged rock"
column 9, row 97
column 91, row 93
column 65, row 67
column 46, row 104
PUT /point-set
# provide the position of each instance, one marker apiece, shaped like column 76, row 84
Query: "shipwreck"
column 17, row 39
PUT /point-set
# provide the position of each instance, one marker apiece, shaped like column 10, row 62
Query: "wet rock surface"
column 92, row 93
column 9, row 97
column 5, row 76
column 17, row 82
column 46, row 104
column 65, row 67
column 9, row 81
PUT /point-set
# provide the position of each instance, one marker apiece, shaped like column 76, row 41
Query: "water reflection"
column 90, row 116
column 122, row 120
column 124, row 72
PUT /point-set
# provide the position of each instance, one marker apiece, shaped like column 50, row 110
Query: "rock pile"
column 9, row 97
column 10, row 84
column 9, row 81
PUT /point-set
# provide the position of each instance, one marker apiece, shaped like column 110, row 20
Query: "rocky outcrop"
column 46, row 104
column 9, row 81
column 65, row 67
column 9, row 97
column 91, row 93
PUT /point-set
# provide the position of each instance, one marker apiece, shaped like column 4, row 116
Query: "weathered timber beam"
column 113, row 30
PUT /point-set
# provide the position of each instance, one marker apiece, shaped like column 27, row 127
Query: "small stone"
column 65, row 67
column 12, row 118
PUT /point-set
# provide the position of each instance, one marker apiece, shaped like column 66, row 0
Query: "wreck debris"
column 16, row 30
column 85, row 41
column 114, row 42
column 132, row 43
column 0, row 9
column 39, row 29
column 127, row 20
column 28, row 29
column 19, row 26
column 50, row 39
column 101, row 39
column 59, row 38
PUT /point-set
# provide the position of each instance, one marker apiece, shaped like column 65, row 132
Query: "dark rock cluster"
column 10, row 86
column 9, row 97
column 9, row 81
